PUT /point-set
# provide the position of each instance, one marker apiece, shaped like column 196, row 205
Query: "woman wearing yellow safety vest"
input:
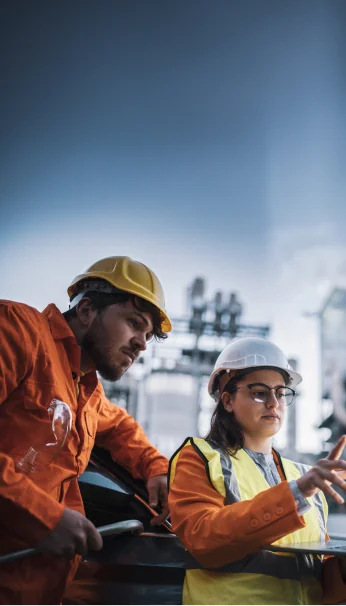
column 232, row 493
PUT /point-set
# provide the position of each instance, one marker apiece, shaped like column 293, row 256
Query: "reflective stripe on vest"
column 236, row 479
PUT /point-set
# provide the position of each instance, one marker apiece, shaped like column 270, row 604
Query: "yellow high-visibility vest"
column 264, row 577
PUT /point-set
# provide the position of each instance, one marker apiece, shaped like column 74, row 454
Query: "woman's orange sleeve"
column 217, row 534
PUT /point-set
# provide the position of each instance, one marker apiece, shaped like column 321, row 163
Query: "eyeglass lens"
column 261, row 393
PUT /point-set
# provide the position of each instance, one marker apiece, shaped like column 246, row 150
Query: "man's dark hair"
column 101, row 301
column 225, row 429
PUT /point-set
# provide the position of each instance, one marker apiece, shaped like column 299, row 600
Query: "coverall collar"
column 58, row 325
column 62, row 332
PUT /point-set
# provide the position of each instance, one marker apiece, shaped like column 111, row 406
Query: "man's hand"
column 158, row 495
column 73, row 535
column 326, row 472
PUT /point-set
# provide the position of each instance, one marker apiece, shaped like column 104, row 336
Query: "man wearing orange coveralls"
column 232, row 493
column 116, row 307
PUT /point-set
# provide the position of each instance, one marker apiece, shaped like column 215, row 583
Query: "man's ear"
column 227, row 401
column 85, row 312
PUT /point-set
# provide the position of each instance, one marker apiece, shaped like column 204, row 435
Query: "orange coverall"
column 40, row 361
column 217, row 535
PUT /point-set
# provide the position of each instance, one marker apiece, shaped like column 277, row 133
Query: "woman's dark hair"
column 102, row 300
column 225, row 429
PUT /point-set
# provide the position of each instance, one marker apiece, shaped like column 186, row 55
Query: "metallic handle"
column 17, row 555
column 133, row 526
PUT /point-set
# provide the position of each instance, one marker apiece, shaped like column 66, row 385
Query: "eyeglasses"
column 260, row 393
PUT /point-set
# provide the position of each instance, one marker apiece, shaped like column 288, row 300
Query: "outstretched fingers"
column 323, row 478
column 337, row 450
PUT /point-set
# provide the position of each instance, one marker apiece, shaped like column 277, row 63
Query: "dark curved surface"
column 129, row 569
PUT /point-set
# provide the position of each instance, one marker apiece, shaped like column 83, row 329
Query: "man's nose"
column 139, row 342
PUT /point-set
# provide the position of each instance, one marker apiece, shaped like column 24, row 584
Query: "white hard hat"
column 246, row 353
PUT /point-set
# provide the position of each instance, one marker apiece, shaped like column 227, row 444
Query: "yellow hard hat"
column 128, row 275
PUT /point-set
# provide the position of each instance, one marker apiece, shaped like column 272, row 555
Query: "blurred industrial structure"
column 332, row 324
column 179, row 403
column 332, row 319
column 166, row 389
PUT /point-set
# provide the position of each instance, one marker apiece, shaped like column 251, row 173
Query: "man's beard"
column 89, row 344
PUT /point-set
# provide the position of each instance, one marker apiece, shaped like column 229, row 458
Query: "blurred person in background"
column 232, row 493
column 48, row 366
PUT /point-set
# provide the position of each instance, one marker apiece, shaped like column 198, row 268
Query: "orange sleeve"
column 217, row 534
column 17, row 348
column 334, row 587
column 31, row 513
column 125, row 439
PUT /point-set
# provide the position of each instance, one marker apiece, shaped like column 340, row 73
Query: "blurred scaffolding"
column 332, row 329
column 333, row 366
column 166, row 390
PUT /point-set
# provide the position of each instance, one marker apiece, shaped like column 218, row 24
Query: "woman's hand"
column 326, row 472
